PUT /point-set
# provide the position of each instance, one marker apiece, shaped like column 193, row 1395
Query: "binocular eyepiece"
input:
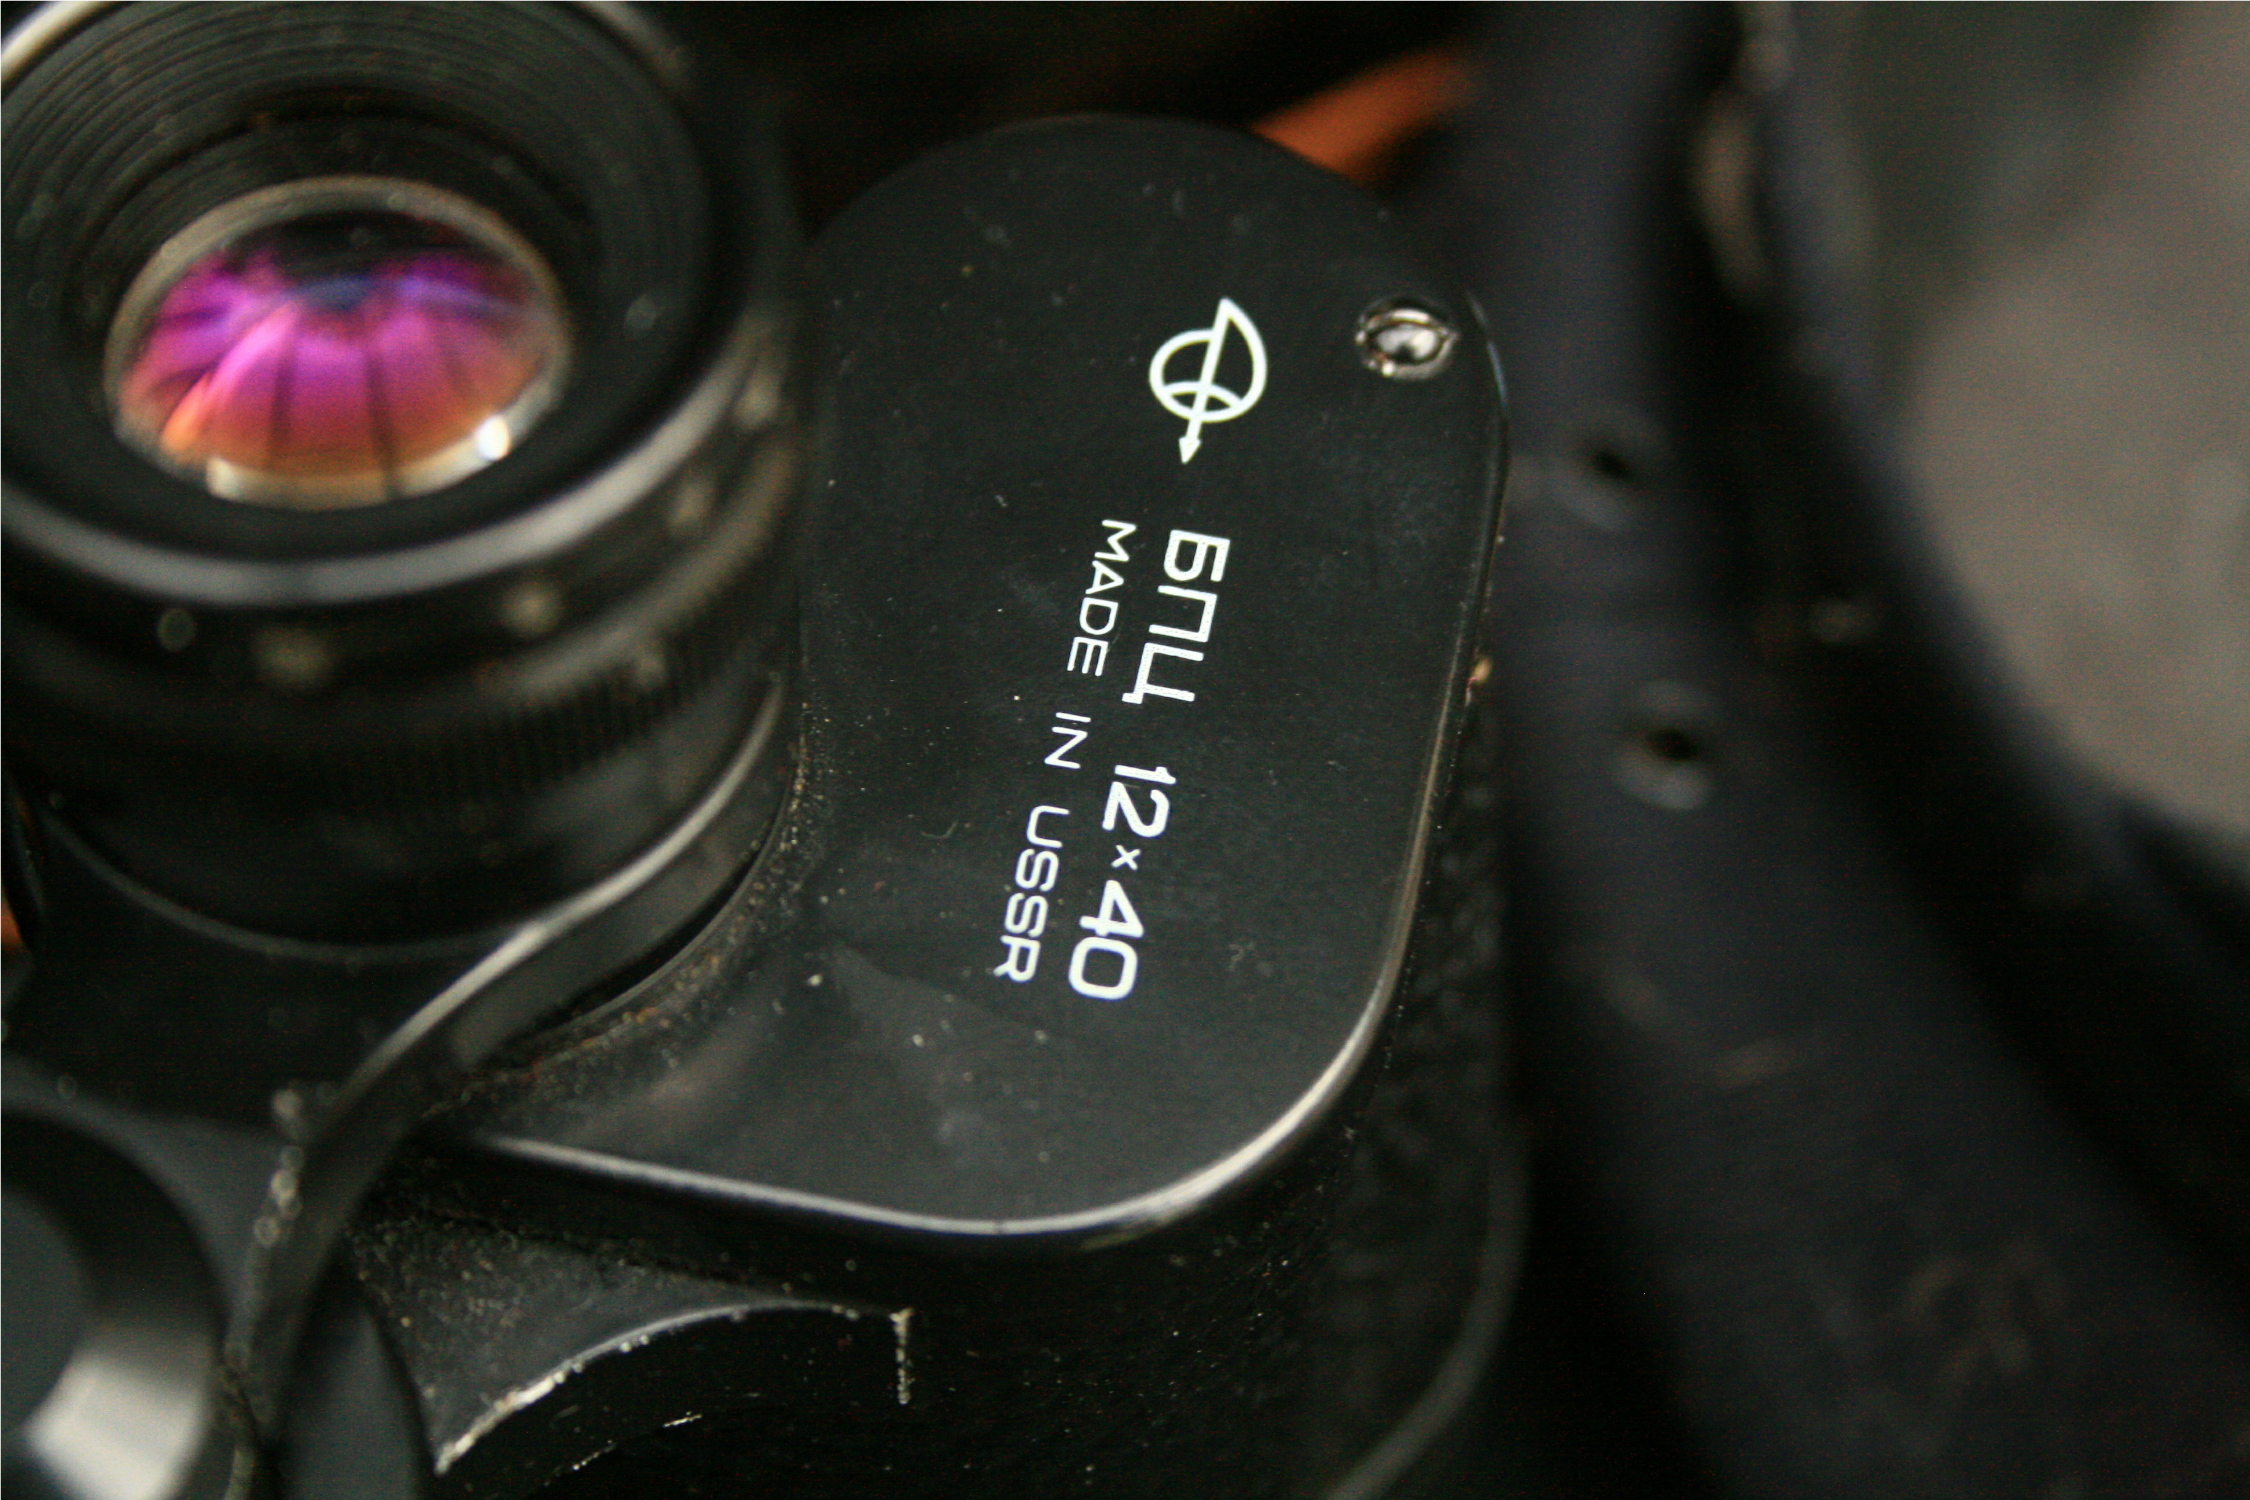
column 403, row 436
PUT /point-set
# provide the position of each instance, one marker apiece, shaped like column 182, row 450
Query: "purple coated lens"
column 337, row 357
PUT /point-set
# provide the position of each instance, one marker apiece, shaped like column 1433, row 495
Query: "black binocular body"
column 655, row 860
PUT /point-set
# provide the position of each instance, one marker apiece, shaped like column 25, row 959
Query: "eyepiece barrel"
column 401, row 452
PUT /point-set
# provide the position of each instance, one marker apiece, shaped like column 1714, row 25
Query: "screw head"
column 1404, row 340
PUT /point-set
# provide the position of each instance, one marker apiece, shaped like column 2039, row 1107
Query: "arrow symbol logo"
column 1203, row 399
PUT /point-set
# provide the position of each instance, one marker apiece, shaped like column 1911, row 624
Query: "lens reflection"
column 339, row 357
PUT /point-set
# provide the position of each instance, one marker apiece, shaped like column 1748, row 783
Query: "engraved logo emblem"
column 1203, row 399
